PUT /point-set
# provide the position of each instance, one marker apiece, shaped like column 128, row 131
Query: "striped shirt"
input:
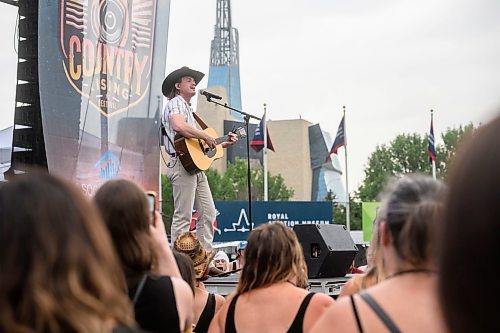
column 176, row 105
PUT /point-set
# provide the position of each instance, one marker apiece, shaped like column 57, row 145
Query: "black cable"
column 159, row 144
column 227, row 273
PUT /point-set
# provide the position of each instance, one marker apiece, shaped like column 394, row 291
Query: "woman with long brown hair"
column 271, row 295
column 58, row 270
column 162, row 300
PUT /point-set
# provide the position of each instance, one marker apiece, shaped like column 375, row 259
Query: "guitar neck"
column 222, row 139
column 239, row 132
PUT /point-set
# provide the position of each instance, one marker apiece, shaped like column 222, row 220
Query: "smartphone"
column 152, row 205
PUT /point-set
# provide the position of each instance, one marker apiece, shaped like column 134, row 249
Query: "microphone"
column 209, row 95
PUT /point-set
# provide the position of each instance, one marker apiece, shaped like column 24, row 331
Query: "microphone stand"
column 246, row 118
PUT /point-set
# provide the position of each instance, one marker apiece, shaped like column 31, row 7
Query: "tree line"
column 405, row 154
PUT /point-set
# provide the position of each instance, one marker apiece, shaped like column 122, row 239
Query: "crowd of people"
column 71, row 264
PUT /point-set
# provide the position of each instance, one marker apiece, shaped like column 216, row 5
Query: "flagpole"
column 347, row 210
column 265, row 154
column 433, row 161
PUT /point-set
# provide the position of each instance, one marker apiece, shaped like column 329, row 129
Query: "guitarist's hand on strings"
column 210, row 141
column 232, row 140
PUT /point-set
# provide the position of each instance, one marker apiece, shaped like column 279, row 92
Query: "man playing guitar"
column 189, row 190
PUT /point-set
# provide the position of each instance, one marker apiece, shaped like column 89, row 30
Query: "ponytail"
column 415, row 244
column 413, row 208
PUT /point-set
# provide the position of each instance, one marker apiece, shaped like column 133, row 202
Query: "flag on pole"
column 339, row 140
column 257, row 142
column 432, row 149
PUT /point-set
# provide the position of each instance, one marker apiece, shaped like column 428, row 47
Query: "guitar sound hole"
column 211, row 152
column 206, row 149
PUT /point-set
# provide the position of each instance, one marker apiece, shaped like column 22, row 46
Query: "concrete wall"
column 291, row 159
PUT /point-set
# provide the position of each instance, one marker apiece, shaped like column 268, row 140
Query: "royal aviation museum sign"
column 232, row 221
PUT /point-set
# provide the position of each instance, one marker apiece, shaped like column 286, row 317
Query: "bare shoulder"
column 338, row 317
column 182, row 288
column 219, row 301
column 352, row 286
column 321, row 300
column 183, row 298
column 318, row 305
column 231, row 295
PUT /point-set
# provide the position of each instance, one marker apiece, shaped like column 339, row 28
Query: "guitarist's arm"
column 180, row 126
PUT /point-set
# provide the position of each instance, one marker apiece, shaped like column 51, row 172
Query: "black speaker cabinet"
column 328, row 249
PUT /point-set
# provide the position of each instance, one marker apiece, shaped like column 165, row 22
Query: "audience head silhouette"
column 59, row 272
column 468, row 267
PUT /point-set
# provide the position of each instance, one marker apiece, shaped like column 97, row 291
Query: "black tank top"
column 206, row 316
column 155, row 308
column 296, row 326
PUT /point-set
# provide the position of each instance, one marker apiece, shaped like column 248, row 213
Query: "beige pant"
column 191, row 191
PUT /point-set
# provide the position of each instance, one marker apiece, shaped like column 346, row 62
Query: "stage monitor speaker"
column 328, row 249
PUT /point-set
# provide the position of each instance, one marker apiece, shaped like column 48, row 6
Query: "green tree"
column 407, row 154
column 378, row 170
column 167, row 204
column 236, row 173
column 452, row 138
column 339, row 214
column 339, row 211
column 220, row 186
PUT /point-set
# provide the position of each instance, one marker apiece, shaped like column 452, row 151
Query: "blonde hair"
column 61, row 273
column 273, row 255
column 376, row 268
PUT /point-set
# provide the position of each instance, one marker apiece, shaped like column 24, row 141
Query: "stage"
column 225, row 285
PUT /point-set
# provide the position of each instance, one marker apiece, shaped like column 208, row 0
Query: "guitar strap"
column 199, row 121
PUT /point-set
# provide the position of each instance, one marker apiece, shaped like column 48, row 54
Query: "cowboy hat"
column 188, row 244
column 174, row 77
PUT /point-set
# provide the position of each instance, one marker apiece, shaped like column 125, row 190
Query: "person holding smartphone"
column 162, row 300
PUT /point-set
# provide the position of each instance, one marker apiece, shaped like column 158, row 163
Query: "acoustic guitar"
column 196, row 155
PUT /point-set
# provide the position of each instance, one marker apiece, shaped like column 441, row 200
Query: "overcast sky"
column 388, row 61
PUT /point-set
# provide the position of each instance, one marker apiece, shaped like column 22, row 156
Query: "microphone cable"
column 227, row 273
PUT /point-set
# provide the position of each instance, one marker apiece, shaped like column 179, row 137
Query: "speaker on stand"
column 328, row 249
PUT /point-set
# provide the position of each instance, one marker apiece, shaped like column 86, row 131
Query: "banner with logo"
column 369, row 211
column 101, row 64
column 232, row 221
